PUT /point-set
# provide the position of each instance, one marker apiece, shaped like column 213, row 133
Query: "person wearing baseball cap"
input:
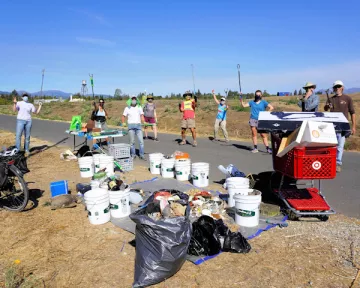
column 135, row 116
column 310, row 101
column 220, row 120
column 24, row 121
column 341, row 103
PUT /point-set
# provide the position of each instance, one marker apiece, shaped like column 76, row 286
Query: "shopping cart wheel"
column 323, row 218
column 292, row 216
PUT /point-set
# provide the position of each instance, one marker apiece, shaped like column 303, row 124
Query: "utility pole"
column 42, row 82
column 192, row 69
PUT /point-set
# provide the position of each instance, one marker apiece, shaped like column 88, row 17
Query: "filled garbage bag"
column 204, row 240
column 161, row 245
column 233, row 242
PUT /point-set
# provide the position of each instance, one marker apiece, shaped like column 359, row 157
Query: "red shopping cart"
column 307, row 164
column 296, row 173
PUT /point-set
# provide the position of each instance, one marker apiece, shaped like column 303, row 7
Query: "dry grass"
column 169, row 116
column 63, row 250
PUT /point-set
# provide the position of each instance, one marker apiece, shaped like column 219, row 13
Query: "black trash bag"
column 233, row 242
column 161, row 246
column 204, row 240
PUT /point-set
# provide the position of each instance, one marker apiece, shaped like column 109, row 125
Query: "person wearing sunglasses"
column 99, row 116
column 341, row 103
column 150, row 117
column 310, row 101
column 256, row 106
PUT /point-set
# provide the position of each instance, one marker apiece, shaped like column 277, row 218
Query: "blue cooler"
column 59, row 188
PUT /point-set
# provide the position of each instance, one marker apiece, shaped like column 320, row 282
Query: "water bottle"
column 77, row 126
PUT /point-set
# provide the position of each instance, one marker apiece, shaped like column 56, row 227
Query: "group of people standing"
column 141, row 117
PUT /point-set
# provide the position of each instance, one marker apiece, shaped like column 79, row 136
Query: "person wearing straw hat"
column 187, row 107
column 221, row 117
column 310, row 101
column 341, row 103
column 150, row 117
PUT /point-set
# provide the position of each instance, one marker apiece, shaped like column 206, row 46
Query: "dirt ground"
column 169, row 116
column 62, row 249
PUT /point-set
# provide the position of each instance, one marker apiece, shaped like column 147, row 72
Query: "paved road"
column 343, row 193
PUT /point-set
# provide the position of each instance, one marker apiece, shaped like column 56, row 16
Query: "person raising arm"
column 256, row 106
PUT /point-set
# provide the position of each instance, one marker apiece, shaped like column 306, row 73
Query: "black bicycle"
column 14, row 193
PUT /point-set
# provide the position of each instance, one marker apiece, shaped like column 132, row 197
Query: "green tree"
column 295, row 92
column 300, row 92
column 14, row 93
column 117, row 93
column 265, row 94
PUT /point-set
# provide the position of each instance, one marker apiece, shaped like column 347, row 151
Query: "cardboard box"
column 319, row 134
column 293, row 140
column 309, row 134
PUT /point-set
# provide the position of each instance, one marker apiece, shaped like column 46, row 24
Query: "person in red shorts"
column 187, row 107
column 150, row 117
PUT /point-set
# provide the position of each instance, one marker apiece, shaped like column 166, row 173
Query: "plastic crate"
column 305, row 162
column 126, row 163
column 118, row 151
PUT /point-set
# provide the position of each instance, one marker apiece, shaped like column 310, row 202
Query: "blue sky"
column 138, row 45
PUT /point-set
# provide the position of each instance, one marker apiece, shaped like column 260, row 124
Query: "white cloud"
column 95, row 41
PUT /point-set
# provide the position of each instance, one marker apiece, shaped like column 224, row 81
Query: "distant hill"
column 56, row 93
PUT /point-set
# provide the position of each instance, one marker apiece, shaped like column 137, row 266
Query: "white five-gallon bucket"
column 86, row 166
column 97, row 203
column 183, row 169
column 155, row 163
column 247, row 208
column 97, row 161
column 108, row 163
column 168, row 168
column 94, row 184
column 120, row 203
column 236, row 185
column 200, row 174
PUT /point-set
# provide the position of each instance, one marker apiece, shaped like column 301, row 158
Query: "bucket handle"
column 87, row 152
column 92, row 205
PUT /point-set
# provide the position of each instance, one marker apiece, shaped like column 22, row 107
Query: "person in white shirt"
column 135, row 116
column 24, row 121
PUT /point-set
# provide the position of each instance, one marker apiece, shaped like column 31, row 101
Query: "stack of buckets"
column 103, row 204
column 246, row 201
column 89, row 165
column 180, row 167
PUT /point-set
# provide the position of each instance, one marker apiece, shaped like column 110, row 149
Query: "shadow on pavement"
column 243, row 147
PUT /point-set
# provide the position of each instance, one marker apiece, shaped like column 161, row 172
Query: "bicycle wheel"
column 15, row 194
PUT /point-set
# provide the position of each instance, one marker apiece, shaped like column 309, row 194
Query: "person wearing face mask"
column 135, row 116
column 256, row 107
column 220, row 117
column 310, row 101
column 24, row 121
column 99, row 116
column 187, row 107
column 341, row 103
column 150, row 116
